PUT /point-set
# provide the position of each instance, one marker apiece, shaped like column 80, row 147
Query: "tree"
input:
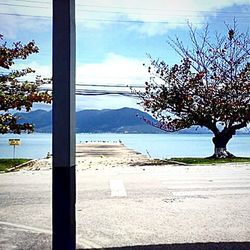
column 209, row 88
column 15, row 93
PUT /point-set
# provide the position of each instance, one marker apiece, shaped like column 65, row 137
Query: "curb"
column 25, row 164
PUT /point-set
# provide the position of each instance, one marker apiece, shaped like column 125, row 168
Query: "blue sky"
column 114, row 37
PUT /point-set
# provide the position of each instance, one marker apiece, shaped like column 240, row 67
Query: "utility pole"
column 63, row 149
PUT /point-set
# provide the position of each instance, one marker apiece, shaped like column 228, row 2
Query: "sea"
column 161, row 146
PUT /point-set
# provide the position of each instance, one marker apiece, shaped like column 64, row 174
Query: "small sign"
column 14, row 142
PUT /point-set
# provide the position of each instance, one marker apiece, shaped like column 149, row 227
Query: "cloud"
column 105, row 102
column 150, row 17
column 30, row 18
column 115, row 70
column 45, row 71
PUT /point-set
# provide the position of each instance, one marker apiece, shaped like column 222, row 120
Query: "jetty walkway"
column 98, row 155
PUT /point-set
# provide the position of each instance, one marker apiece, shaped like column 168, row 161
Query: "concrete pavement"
column 132, row 206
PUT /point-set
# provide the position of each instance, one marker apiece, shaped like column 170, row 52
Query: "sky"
column 115, row 38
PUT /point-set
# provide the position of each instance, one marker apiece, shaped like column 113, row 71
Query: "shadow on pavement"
column 189, row 246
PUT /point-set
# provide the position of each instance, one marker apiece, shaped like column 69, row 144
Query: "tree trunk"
column 220, row 141
column 222, row 153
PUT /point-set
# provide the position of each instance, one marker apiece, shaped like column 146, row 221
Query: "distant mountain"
column 41, row 119
column 124, row 120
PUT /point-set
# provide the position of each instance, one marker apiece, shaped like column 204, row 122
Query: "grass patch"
column 196, row 161
column 6, row 164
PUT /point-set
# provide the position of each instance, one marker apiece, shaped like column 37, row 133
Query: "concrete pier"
column 98, row 155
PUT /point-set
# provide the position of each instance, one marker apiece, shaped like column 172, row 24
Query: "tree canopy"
column 209, row 88
column 16, row 93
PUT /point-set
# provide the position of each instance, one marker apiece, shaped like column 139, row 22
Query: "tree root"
column 222, row 154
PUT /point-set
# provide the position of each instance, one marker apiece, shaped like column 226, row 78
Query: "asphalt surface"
column 153, row 207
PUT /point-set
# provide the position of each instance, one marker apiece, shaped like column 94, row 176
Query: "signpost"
column 14, row 143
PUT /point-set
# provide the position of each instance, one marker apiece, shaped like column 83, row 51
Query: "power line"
column 26, row 6
column 154, row 14
column 123, row 21
column 93, row 19
column 107, row 85
column 110, row 85
column 118, row 12
column 22, row 15
column 102, row 92
column 127, row 8
column 160, row 10
column 32, row 1
column 105, row 20
column 94, row 92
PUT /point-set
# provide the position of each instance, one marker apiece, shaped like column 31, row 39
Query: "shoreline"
column 101, row 155
column 161, row 146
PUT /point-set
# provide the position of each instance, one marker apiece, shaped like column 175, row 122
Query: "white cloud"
column 153, row 16
column 45, row 71
column 30, row 19
column 114, row 70
column 105, row 102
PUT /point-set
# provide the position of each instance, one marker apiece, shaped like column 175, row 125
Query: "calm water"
column 156, row 145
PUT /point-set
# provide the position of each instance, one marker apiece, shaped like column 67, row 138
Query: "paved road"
column 132, row 206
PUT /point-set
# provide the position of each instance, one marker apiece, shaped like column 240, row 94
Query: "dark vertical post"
column 63, row 176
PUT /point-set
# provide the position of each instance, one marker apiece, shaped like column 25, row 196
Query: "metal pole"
column 63, row 175
column 14, row 151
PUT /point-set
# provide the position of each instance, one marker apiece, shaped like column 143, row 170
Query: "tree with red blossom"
column 210, row 87
column 16, row 94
